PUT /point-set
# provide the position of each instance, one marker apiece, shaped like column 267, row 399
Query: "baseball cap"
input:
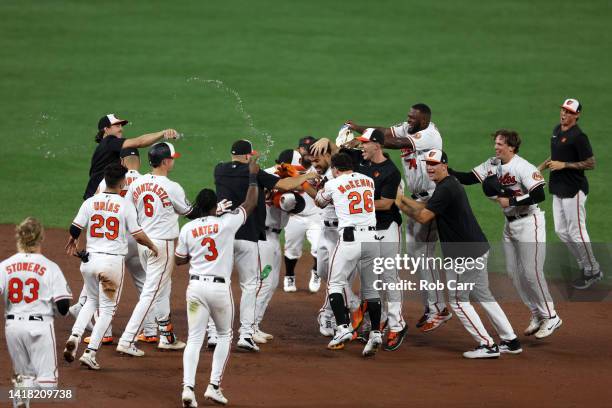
column 436, row 156
column 162, row 150
column 130, row 151
column 109, row 120
column 242, row 147
column 306, row 142
column 372, row 135
column 572, row 105
column 291, row 157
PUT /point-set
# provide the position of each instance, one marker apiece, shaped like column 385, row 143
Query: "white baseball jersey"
column 130, row 176
column 158, row 201
column 310, row 208
column 31, row 285
column 415, row 169
column 275, row 217
column 329, row 212
column 107, row 218
column 518, row 175
column 209, row 241
column 353, row 197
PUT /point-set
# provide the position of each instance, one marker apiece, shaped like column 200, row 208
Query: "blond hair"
column 29, row 234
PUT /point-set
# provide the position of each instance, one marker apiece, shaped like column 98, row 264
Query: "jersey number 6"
column 148, row 207
column 356, row 198
column 15, row 290
column 212, row 249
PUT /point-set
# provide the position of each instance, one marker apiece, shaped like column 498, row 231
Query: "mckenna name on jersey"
column 352, row 184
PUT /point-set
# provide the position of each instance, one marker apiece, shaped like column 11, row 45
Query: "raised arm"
column 465, row 178
column 250, row 201
column 149, row 139
column 293, row 183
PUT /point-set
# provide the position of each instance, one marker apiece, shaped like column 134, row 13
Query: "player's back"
column 31, row 284
column 209, row 242
column 353, row 198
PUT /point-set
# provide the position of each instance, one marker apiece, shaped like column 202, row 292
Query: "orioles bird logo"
column 537, row 176
column 563, row 139
column 376, row 174
column 432, row 154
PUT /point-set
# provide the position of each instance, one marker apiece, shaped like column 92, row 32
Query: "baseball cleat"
column 357, row 315
column 247, row 344
column 344, row 334
column 215, row 394
column 129, row 349
column 258, row 338
column 89, row 359
column 483, row 351
column 373, row 344
column 147, row 339
column 175, row 345
column 534, row 326
column 108, row 340
column 395, row 339
column 265, row 335
column 435, row 320
column 510, row 346
column 71, row 348
column 585, row 282
column 289, row 284
column 548, row 327
column 188, row 398
column 423, row 319
column 315, row 282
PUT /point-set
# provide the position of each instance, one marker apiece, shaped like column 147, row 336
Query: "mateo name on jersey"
column 355, row 184
column 205, row 230
column 26, row 267
column 152, row 188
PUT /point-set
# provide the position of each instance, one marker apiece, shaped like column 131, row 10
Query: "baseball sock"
column 336, row 300
column 314, row 267
column 290, row 266
column 374, row 309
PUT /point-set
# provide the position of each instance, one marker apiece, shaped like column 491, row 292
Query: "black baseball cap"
column 291, row 157
column 242, row 147
column 109, row 120
column 436, row 156
column 306, row 142
column 130, row 151
column 372, row 135
column 161, row 151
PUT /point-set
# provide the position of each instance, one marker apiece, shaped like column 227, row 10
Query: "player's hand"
column 223, row 206
column 319, row 147
column 71, row 246
column 170, row 134
column 504, row 202
column 253, row 166
column 312, row 176
column 154, row 251
column 351, row 124
column 556, row 165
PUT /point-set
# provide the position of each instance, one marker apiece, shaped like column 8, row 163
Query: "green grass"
column 299, row 68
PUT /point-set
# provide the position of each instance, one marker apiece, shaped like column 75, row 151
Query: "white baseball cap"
column 436, row 156
column 572, row 105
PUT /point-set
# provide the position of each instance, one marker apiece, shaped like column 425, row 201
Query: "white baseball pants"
column 269, row 254
column 389, row 248
column 297, row 227
column 246, row 260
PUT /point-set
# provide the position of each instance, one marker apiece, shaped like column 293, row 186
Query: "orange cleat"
column 107, row 340
column 357, row 315
column 436, row 320
column 147, row 339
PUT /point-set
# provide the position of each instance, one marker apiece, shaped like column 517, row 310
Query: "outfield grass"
column 298, row 68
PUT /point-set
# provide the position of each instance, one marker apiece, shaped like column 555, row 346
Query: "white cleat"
column 315, row 282
column 534, row 326
column 188, row 398
column 258, row 338
column 129, row 349
column 71, row 348
column 344, row 334
column 215, row 395
column 289, row 284
column 373, row 344
column 265, row 335
column 247, row 344
column 548, row 327
column 89, row 359
column 327, row 325
column 483, row 351
column 176, row 345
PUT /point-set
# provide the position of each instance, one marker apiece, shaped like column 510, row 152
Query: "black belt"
column 36, row 318
column 511, row 218
column 215, row 279
column 419, row 195
column 360, row 228
column 330, row 223
column 276, row 230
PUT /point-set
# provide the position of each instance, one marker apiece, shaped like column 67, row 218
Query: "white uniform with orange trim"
column 524, row 234
column 159, row 201
column 209, row 242
column 421, row 238
column 31, row 284
column 106, row 219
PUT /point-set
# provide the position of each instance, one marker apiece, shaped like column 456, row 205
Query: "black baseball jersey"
column 387, row 179
column 106, row 153
column 460, row 234
column 569, row 146
column 232, row 183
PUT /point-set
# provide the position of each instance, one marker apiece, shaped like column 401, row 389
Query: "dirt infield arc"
column 570, row 369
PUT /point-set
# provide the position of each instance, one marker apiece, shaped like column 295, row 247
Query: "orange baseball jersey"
column 31, row 285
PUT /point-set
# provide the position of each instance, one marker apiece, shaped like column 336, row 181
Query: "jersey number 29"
column 356, row 198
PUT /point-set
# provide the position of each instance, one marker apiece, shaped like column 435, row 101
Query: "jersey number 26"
column 356, row 198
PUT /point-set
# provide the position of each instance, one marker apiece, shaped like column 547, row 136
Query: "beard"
column 417, row 127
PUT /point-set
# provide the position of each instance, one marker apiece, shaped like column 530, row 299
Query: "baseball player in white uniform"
column 34, row 290
column 159, row 201
column 415, row 137
column 207, row 244
column 525, row 229
column 107, row 219
column 353, row 196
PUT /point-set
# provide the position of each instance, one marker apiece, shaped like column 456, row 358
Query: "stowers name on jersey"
column 355, row 184
column 26, row 267
column 153, row 188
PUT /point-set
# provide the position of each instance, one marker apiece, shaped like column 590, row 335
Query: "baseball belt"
column 215, row 279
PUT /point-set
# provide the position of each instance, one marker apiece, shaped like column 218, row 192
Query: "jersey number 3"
column 212, row 249
column 15, row 290
column 356, row 198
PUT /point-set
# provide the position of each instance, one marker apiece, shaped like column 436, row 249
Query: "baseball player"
column 305, row 224
column 108, row 218
column 159, row 201
column 461, row 239
column 353, row 196
column 34, row 290
column 571, row 154
column 415, row 137
column 207, row 243
column 521, row 189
